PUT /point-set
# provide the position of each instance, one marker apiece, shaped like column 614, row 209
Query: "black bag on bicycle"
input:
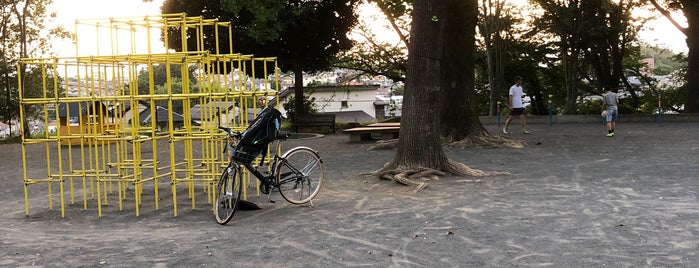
column 261, row 131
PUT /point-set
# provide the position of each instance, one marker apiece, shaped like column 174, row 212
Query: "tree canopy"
column 24, row 33
column 305, row 36
column 566, row 50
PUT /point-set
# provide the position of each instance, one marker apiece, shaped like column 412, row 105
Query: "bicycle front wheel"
column 228, row 193
column 299, row 175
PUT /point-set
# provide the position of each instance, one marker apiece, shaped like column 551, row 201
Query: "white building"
column 350, row 103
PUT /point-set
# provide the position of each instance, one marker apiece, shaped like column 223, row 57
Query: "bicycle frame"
column 268, row 179
column 277, row 161
column 297, row 175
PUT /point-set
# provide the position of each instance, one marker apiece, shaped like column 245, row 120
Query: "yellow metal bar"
column 108, row 148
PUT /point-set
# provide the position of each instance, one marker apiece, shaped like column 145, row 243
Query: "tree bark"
column 419, row 142
column 420, row 155
column 495, row 45
column 299, row 108
column 459, row 113
column 691, row 11
column 570, row 62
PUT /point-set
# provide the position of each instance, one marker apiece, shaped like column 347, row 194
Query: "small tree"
column 290, row 107
column 23, row 34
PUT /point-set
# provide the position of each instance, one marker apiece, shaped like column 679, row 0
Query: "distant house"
column 649, row 68
column 350, row 103
column 4, row 130
column 162, row 118
column 81, row 113
column 82, row 118
column 225, row 113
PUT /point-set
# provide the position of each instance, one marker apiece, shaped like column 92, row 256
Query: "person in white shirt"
column 516, row 106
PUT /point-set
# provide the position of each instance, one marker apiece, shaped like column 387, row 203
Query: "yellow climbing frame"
column 112, row 129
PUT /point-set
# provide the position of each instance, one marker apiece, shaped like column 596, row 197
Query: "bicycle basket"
column 245, row 154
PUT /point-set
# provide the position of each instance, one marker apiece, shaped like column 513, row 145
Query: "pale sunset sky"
column 658, row 31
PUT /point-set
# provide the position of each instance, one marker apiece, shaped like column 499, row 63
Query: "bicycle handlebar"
column 283, row 135
column 230, row 131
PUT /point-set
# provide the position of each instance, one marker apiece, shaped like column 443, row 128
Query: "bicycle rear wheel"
column 228, row 192
column 299, row 175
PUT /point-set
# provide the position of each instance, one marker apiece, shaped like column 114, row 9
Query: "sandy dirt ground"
column 574, row 198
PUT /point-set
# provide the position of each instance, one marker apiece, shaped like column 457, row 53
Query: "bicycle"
column 297, row 175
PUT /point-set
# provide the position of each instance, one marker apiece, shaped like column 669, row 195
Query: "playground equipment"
column 118, row 128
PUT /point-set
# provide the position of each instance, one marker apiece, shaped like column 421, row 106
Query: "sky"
column 98, row 12
column 659, row 32
column 662, row 33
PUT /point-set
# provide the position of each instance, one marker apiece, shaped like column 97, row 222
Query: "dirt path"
column 574, row 199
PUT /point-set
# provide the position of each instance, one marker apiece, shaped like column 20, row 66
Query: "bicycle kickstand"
column 269, row 187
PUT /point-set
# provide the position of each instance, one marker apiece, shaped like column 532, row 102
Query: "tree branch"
column 393, row 23
column 668, row 15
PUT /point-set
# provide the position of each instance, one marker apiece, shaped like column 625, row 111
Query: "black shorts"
column 517, row 111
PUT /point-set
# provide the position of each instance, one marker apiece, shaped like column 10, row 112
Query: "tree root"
column 384, row 145
column 477, row 141
column 460, row 169
column 408, row 177
column 418, row 177
column 486, row 141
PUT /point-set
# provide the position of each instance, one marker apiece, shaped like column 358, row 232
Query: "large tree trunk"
column 419, row 143
column 570, row 62
column 459, row 113
column 420, row 155
column 691, row 11
column 299, row 108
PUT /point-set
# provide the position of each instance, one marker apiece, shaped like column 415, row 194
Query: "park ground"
column 574, row 198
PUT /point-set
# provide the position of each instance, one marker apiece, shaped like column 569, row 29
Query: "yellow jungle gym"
column 112, row 136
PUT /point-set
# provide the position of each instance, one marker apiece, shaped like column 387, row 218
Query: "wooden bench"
column 385, row 124
column 314, row 120
column 372, row 132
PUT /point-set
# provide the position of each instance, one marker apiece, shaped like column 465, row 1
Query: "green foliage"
column 11, row 140
column 260, row 17
column 666, row 61
column 673, row 99
column 397, row 89
column 286, row 125
column 316, row 83
column 373, row 54
column 673, row 95
column 395, row 8
column 160, row 82
column 625, row 107
column 289, row 106
column 24, row 34
column 272, row 28
column 592, row 40
column 590, row 107
column 34, row 86
column 376, row 58
column 304, row 36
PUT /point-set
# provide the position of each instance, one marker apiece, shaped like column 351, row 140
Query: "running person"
column 516, row 106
